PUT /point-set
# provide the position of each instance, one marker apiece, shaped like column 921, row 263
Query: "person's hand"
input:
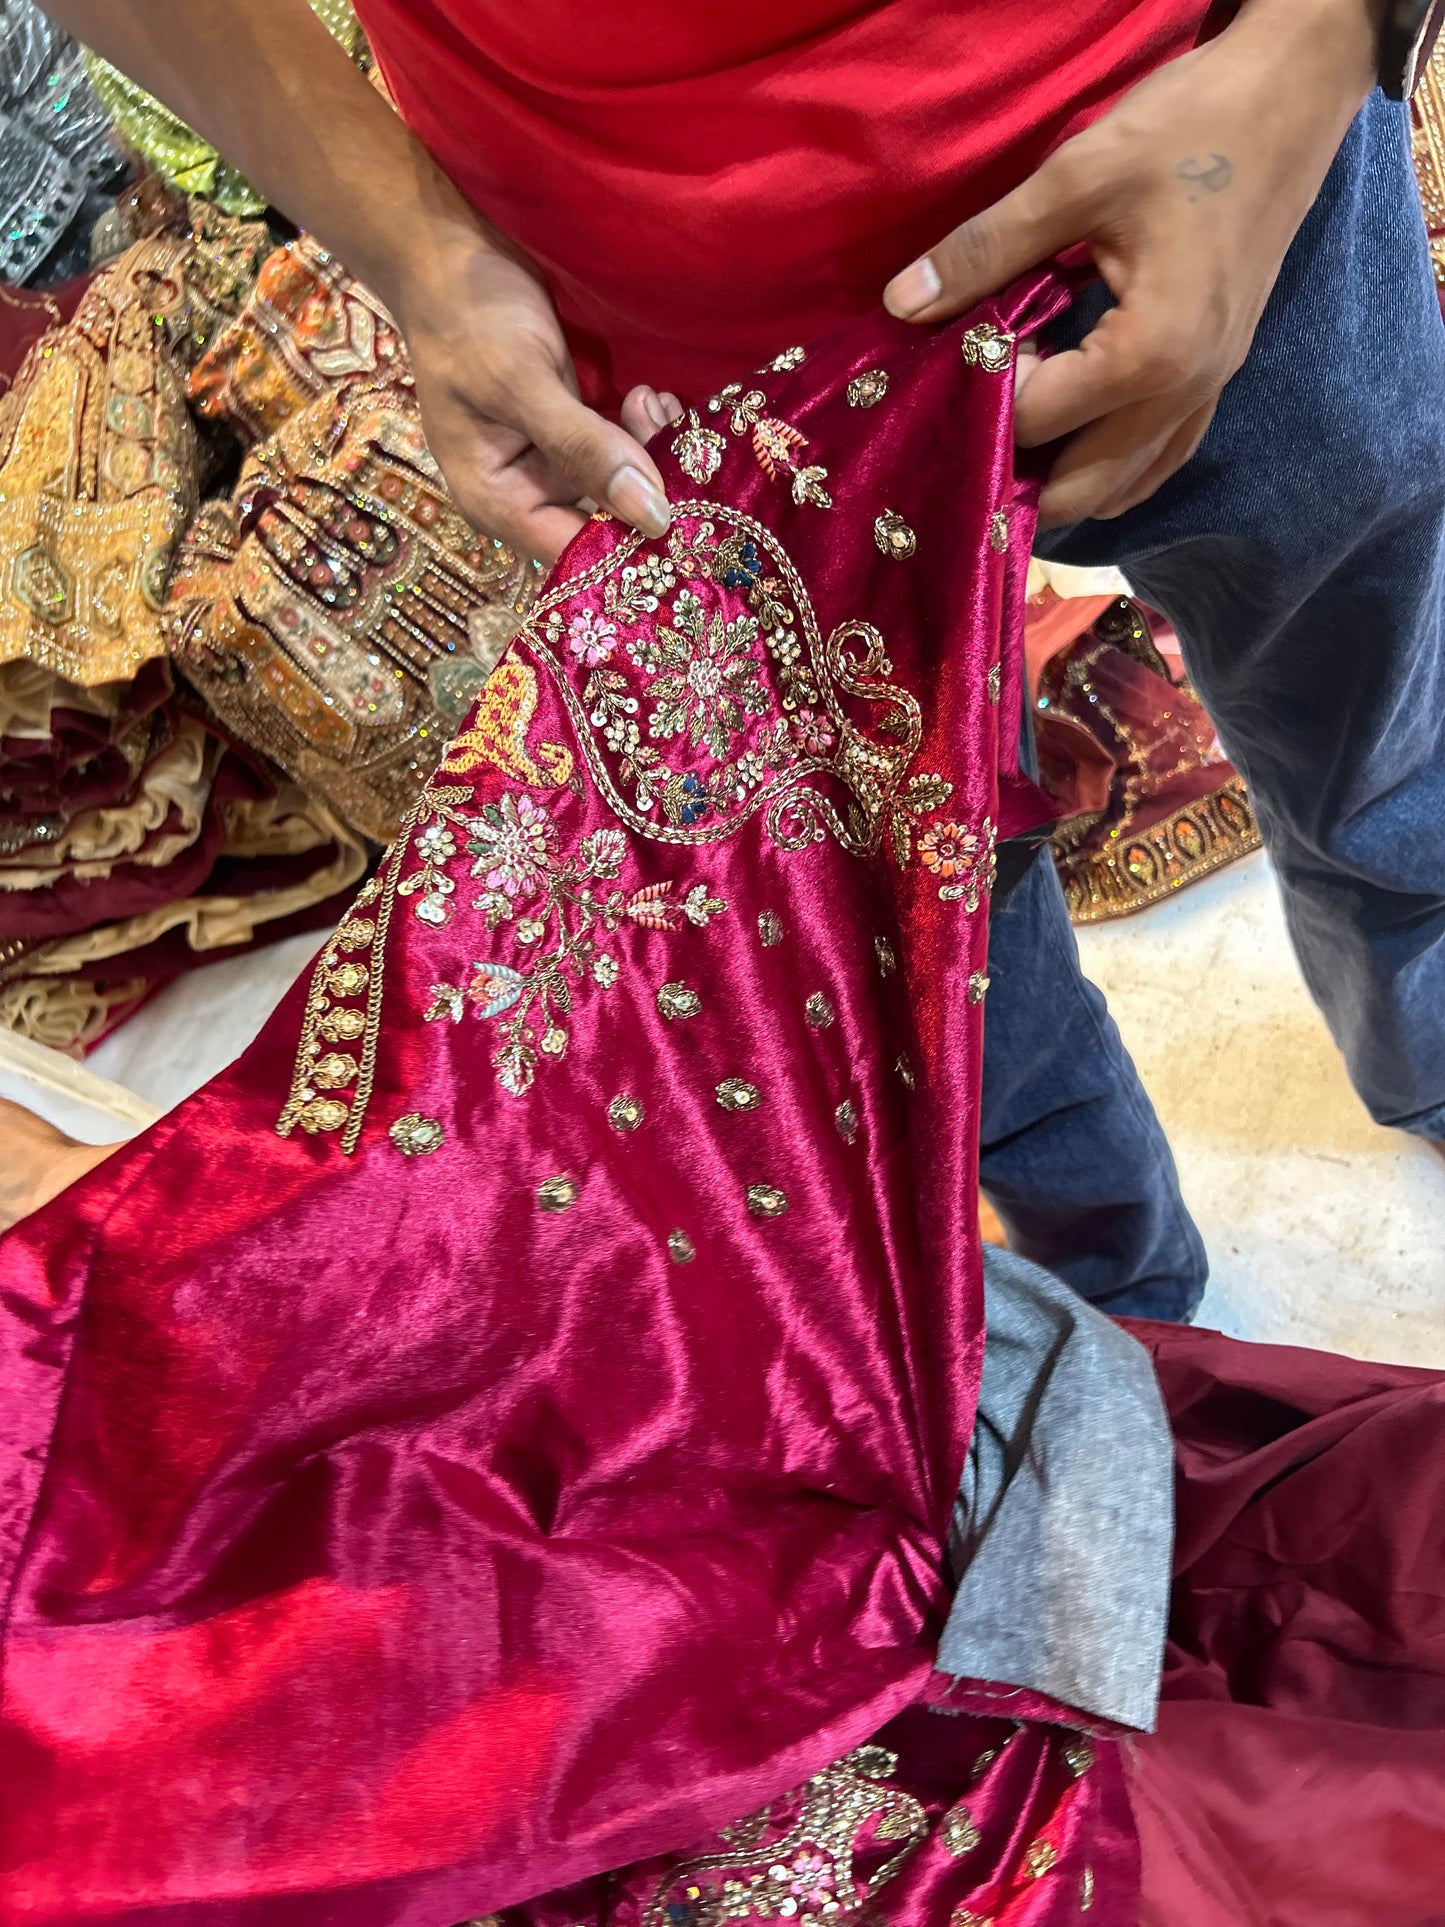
column 1188, row 195
column 523, row 457
column 37, row 1162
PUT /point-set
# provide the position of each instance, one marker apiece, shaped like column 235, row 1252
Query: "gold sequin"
column 349, row 979
column 868, row 389
column 959, row 1834
column 559, row 1193
column 553, row 1041
column 770, row 928
column 625, row 1113
column 415, row 1136
column 987, row 347
column 893, row 536
column 766, row 1201
column 818, row 1011
column 334, row 1071
column 677, row 1000
column 680, row 1248
column 736, row 1094
column 846, row 1119
column 883, row 950
column 1041, row 1858
column 977, row 987
column 998, row 532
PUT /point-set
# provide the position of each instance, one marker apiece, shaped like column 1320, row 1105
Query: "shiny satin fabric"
column 699, row 182
column 536, row 1450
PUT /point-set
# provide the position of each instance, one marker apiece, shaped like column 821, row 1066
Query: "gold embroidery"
column 559, row 1193
column 846, row 1118
column 794, row 1860
column 868, row 389
column 734, row 1094
column 416, row 1136
column 1041, row 1858
column 905, row 1071
column 1086, row 1891
column 497, row 737
column 883, row 950
column 774, row 442
column 680, row 1248
column 625, row 1113
column 770, row 928
column 894, row 537
column 959, row 1834
column 677, row 1000
column 987, row 347
column 961, row 860
column 998, row 532
column 818, row 1011
column 977, row 987
column 1079, row 1756
column 333, row 1072
column 965, row 1917
column 766, row 1201
column 995, row 682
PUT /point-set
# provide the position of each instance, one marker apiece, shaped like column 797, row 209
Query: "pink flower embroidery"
column 591, row 639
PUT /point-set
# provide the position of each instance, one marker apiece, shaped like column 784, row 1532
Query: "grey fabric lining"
column 1063, row 1531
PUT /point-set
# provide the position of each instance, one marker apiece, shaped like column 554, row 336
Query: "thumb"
column 1048, row 213
column 601, row 460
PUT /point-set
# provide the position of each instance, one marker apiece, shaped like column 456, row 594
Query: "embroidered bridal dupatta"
column 506, row 1426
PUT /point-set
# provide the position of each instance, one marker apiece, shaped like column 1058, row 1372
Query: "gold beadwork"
column 766, row 1201
column 893, row 536
column 887, row 962
column 868, row 389
column 415, row 1136
column 977, row 987
column 987, row 347
column 958, row 1832
column 559, row 1193
column 625, row 1113
column 818, row 1011
column 341, row 1026
column 680, row 1248
column 846, row 1119
column 770, row 928
column 348, row 980
column 736, row 1094
column 998, row 532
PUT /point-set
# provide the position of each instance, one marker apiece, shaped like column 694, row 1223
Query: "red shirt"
column 707, row 181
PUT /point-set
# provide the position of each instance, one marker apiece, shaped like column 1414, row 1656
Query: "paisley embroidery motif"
column 795, row 1860
column 498, row 735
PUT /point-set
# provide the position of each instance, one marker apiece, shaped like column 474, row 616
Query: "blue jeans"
column 1300, row 555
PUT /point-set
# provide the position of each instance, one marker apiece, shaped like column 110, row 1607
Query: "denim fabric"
column 1072, row 1156
column 1300, row 555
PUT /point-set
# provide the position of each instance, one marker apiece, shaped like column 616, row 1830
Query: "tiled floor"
column 1322, row 1229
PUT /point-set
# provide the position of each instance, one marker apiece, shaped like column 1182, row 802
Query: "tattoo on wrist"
column 1210, row 176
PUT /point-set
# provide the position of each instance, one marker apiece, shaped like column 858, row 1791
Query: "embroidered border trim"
column 1191, row 843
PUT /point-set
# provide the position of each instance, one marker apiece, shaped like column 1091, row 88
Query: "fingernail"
column 638, row 501
column 653, row 408
column 917, row 288
column 672, row 407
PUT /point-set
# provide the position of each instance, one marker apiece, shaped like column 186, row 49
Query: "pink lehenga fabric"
column 528, row 1445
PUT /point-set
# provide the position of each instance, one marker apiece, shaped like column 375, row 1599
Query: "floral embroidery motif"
column 846, row 1118
column 416, row 1136
column 818, row 1011
column 685, row 736
column 1041, row 1858
column 770, row 928
column 959, row 1834
column 736, row 1094
column 868, row 389
column 680, row 1248
column 775, row 443
column 987, row 347
column 794, row 1861
column 961, row 860
column 625, row 1113
column 559, row 910
column 894, row 537
column 766, row 1201
column 677, row 1000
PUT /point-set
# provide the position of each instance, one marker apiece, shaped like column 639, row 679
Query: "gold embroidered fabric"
column 326, row 611
column 182, row 156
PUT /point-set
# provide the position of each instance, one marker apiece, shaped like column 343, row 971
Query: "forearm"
column 1326, row 49
column 266, row 84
